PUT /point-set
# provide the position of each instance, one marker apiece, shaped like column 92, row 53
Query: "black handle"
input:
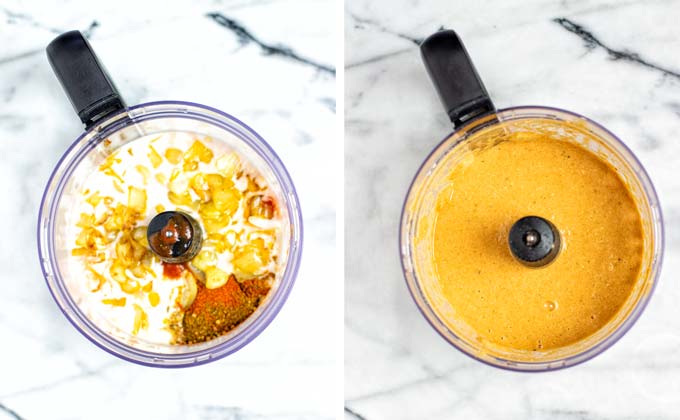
column 455, row 78
column 87, row 85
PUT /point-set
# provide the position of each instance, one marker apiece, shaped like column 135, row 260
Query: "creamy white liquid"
column 120, row 319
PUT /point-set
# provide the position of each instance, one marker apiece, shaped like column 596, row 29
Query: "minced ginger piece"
column 101, row 280
column 250, row 259
column 200, row 187
column 115, row 302
column 154, row 157
column 198, row 152
column 141, row 319
column 204, row 259
column 228, row 165
column 137, row 199
column 154, row 299
column 173, row 155
column 162, row 179
column 131, row 286
column 144, row 172
column 94, row 199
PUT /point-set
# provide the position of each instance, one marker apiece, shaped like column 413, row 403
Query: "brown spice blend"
column 217, row 311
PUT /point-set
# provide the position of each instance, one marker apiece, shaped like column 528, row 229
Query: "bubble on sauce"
column 550, row 305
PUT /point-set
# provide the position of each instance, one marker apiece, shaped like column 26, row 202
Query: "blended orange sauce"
column 526, row 308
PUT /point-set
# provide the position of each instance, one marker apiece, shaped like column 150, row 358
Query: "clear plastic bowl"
column 419, row 202
column 88, row 151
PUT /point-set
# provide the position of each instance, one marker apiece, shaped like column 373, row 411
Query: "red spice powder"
column 172, row 271
column 230, row 296
column 216, row 311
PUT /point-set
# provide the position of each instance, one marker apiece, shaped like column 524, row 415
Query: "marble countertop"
column 616, row 62
column 262, row 61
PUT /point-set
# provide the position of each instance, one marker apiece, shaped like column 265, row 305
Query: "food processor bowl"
column 418, row 220
column 88, row 152
column 478, row 125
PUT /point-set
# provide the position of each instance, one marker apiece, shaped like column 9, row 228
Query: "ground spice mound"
column 216, row 311
column 258, row 288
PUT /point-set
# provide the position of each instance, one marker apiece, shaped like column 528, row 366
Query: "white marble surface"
column 168, row 50
column 396, row 366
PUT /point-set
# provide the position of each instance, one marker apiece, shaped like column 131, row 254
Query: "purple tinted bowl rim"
column 294, row 259
column 627, row 324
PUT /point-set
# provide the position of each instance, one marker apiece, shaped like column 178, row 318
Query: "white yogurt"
column 134, row 155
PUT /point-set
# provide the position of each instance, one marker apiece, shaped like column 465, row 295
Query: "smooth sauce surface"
column 524, row 308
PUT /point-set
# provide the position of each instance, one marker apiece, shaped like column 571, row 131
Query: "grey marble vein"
column 592, row 42
column 14, row 17
column 401, row 387
column 245, row 4
column 362, row 23
column 353, row 414
column 328, row 103
column 21, row 56
column 10, row 412
column 245, row 37
column 87, row 32
column 85, row 373
column 216, row 412
column 376, row 58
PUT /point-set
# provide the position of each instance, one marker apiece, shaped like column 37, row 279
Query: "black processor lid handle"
column 455, row 78
column 87, row 85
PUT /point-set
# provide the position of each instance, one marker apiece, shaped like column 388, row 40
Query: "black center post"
column 174, row 236
column 534, row 241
